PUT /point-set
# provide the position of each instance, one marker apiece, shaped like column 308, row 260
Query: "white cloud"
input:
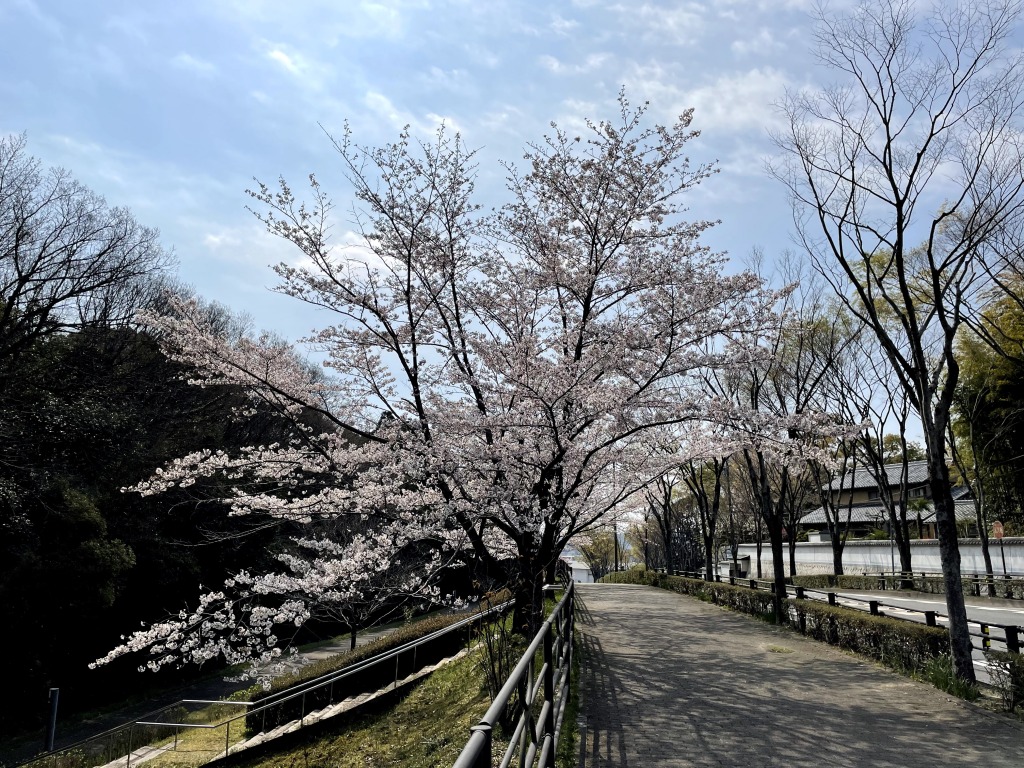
column 679, row 23
column 423, row 126
column 44, row 20
column 562, row 26
column 589, row 64
column 286, row 61
column 761, row 43
column 738, row 102
column 193, row 64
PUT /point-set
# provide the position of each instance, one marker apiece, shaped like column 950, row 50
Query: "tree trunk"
column 774, row 524
column 949, row 553
column 792, row 551
column 528, row 611
column 985, row 553
column 758, row 533
column 901, row 535
column 352, row 639
column 837, row 557
column 906, row 564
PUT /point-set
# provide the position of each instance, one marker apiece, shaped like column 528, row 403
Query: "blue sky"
column 171, row 108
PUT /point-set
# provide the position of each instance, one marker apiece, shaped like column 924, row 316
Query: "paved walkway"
column 671, row 681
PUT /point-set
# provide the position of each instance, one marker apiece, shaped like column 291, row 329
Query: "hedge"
column 902, row 645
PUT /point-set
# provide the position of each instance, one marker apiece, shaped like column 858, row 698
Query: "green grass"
column 427, row 728
column 939, row 672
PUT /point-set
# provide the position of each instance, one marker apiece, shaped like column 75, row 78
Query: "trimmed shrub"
column 902, row 645
column 828, row 581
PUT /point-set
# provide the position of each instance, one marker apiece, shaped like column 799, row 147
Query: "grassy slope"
column 427, row 728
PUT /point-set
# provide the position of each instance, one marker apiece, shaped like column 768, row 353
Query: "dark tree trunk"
column 949, row 553
column 837, row 557
column 774, row 525
column 709, row 564
column 528, row 611
column 758, row 523
column 352, row 639
column 791, row 530
column 985, row 552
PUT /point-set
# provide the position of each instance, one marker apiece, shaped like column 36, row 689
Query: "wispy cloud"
column 738, row 102
column 590, row 63
column 761, row 43
column 194, row 64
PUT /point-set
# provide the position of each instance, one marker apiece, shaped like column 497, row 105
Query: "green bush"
column 828, row 581
column 1007, row 673
column 902, row 645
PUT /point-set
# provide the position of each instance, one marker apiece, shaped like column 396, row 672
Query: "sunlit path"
column 671, row 681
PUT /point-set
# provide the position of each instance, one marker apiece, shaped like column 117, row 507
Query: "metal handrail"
column 532, row 736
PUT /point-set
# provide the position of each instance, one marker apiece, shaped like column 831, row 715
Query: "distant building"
column 859, row 494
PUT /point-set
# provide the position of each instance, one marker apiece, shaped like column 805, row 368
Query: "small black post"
column 753, row 583
column 732, row 578
column 1012, row 639
column 873, row 605
column 831, row 598
column 929, row 618
column 51, row 728
column 799, row 593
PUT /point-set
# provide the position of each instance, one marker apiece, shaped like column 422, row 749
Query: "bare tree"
column 67, row 260
column 899, row 175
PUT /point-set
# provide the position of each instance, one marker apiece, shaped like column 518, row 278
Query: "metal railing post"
column 484, row 758
column 549, row 690
column 873, row 605
column 1012, row 639
column 831, row 598
column 799, row 593
column 929, row 618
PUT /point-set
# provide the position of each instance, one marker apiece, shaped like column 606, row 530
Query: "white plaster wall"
column 879, row 556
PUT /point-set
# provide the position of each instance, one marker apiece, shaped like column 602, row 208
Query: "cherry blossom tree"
column 492, row 375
